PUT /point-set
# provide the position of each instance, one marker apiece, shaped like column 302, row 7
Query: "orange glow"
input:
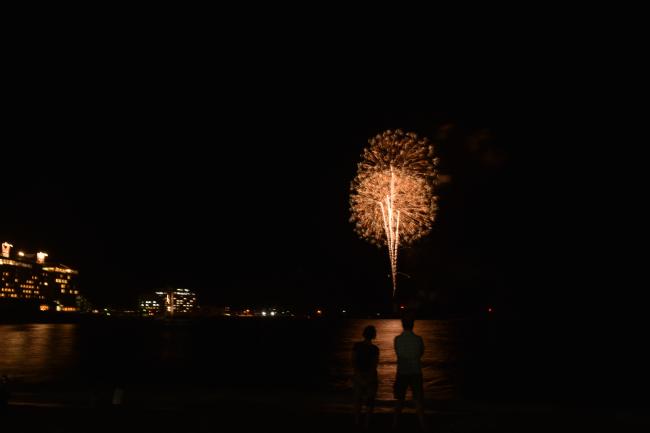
column 319, row 312
column 40, row 257
column 44, row 307
column 6, row 248
column 63, row 270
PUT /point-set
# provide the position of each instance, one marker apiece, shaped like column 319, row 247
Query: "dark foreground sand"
column 237, row 415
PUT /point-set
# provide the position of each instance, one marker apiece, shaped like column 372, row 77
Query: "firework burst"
column 392, row 201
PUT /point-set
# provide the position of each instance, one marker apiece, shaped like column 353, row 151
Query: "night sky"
column 240, row 191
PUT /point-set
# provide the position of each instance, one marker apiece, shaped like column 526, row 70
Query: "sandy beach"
column 257, row 410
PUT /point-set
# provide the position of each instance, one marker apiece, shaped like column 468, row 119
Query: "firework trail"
column 392, row 202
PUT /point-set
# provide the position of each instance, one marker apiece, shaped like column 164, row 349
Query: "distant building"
column 152, row 305
column 28, row 278
column 84, row 304
column 168, row 301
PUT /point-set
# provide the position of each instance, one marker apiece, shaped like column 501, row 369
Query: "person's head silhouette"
column 408, row 321
column 369, row 332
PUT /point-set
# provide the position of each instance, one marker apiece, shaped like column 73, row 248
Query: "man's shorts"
column 404, row 381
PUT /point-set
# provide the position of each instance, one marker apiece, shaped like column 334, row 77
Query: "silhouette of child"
column 366, row 358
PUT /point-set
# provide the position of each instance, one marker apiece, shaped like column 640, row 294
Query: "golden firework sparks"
column 392, row 201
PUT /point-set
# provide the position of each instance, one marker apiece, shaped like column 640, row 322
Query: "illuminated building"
column 152, row 305
column 181, row 301
column 168, row 301
column 29, row 279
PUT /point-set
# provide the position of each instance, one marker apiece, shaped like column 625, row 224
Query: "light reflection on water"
column 38, row 351
column 74, row 353
column 438, row 363
column 463, row 359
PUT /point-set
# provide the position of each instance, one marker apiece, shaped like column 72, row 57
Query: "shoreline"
column 74, row 318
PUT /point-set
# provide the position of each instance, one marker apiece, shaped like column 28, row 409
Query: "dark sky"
column 239, row 189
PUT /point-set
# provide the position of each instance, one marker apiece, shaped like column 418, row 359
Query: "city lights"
column 24, row 279
column 170, row 301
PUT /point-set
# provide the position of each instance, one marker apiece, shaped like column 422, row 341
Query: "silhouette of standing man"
column 409, row 348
